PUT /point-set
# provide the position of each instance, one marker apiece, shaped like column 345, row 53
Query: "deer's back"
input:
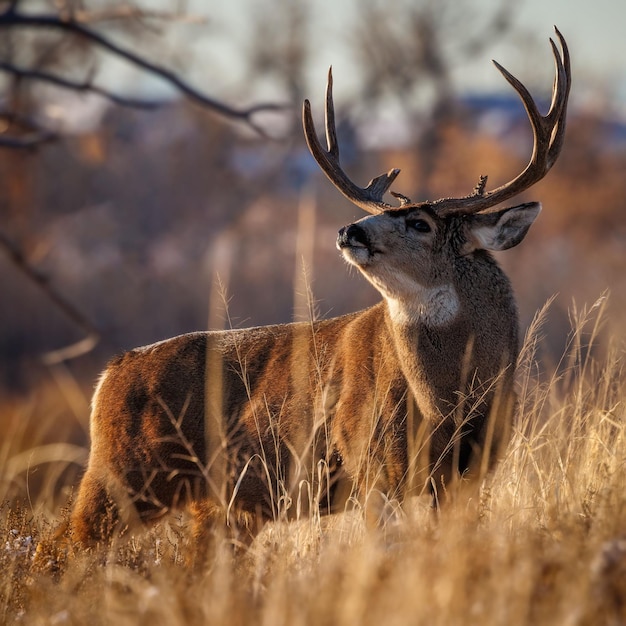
column 276, row 391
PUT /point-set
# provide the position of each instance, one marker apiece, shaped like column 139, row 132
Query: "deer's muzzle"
column 352, row 236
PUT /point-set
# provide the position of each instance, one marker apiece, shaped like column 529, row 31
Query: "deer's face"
column 409, row 255
column 399, row 252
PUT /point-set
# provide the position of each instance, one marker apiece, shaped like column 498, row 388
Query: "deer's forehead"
column 400, row 215
column 392, row 220
column 416, row 210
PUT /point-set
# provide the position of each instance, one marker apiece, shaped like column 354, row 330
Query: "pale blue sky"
column 594, row 30
column 595, row 34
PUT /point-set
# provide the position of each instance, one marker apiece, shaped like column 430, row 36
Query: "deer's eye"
column 421, row 226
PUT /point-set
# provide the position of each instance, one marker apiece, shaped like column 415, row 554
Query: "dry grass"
column 545, row 543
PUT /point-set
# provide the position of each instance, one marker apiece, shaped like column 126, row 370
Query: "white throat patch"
column 432, row 306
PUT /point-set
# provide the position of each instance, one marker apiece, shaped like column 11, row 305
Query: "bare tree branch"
column 92, row 336
column 11, row 18
column 31, row 135
column 28, row 142
column 81, row 86
column 18, row 130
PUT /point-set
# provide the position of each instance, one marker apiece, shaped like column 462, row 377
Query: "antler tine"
column 548, row 134
column 563, row 83
column 329, row 118
column 369, row 198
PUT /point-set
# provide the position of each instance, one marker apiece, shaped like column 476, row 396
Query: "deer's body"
column 401, row 397
column 335, row 391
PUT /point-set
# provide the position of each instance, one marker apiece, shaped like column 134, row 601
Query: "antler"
column 548, row 134
column 369, row 198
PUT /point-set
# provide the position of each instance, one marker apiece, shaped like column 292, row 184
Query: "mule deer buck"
column 395, row 400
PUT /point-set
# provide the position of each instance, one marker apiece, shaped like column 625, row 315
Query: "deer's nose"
column 352, row 235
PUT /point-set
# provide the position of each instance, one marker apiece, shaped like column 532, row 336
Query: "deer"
column 410, row 396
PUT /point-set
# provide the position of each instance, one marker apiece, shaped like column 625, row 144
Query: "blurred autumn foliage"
column 131, row 221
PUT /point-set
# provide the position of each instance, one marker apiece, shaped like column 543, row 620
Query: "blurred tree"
column 62, row 44
column 276, row 56
column 64, row 48
column 278, row 49
column 408, row 62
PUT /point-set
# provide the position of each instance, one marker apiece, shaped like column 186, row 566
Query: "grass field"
column 545, row 543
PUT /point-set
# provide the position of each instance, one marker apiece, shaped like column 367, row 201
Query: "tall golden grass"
column 544, row 543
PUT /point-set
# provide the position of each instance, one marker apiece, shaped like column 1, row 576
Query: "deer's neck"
column 446, row 342
column 434, row 307
column 430, row 338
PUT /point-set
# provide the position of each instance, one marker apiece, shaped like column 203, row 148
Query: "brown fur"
column 302, row 409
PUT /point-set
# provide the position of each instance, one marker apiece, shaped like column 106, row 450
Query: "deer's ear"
column 499, row 230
